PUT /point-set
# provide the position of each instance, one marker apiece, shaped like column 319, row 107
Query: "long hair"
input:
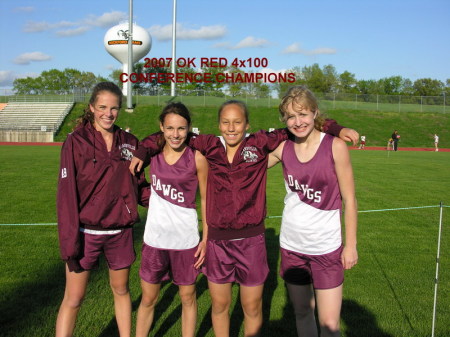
column 301, row 98
column 88, row 115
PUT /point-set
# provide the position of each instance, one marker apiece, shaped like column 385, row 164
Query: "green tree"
column 347, row 83
column 330, row 79
column 314, row 78
column 392, row 85
column 428, row 87
column 282, row 87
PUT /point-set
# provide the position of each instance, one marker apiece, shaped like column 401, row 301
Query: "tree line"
column 323, row 80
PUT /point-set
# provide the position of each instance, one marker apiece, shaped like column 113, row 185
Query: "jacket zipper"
column 127, row 207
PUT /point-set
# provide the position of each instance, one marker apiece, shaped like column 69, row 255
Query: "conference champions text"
column 207, row 77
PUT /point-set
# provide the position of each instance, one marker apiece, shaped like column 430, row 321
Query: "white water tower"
column 116, row 43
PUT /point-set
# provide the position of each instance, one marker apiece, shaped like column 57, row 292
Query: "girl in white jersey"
column 318, row 177
column 172, row 248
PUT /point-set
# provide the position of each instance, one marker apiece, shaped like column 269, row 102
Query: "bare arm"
column 275, row 155
column 202, row 175
column 349, row 135
column 344, row 172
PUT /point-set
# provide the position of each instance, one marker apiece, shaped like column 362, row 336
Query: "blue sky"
column 371, row 39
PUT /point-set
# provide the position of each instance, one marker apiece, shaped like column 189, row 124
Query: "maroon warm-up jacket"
column 95, row 187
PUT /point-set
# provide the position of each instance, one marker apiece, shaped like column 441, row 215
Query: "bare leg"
column 329, row 302
column 146, row 311
column 118, row 280
column 302, row 298
column 189, row 310
column 74, row 293
column 251, row 300
column 220, row 302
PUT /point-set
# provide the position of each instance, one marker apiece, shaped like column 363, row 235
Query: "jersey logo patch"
column 249, row 154
column 64, row 173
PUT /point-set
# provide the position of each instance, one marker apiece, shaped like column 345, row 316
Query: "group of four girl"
column 97, row 205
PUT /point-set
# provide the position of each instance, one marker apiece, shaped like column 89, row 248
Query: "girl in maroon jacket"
column 235, row 211
column 97, row 206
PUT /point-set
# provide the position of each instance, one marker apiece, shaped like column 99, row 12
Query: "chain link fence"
column 160, row 97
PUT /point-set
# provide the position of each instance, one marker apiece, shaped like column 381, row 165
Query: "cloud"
column 164, row 33
column 295, row 48
column 36, row 27
column 28, row 9
column 7, row 77
column 73, row 32
column 248, row 42
column 269, row 70
column 251, row 42
column 78, row 27
column 27, row 58
column 105, row 20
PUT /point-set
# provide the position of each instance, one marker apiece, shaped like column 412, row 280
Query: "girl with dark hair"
column 172, row 248
column 97, row 206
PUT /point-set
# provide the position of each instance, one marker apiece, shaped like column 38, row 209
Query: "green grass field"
column 416, row 128
column 388, row 294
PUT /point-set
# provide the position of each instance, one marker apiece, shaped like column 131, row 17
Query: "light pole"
column 174, row 38
column 130, row 56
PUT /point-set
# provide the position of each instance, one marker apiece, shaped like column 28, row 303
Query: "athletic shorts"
column 323, row 271
column 118, row 249
column 243, row 261
column 158, row 265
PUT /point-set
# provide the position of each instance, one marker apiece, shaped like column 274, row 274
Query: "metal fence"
column 399, row 103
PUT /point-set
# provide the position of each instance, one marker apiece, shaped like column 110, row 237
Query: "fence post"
column 444, row 101
column 437, row 271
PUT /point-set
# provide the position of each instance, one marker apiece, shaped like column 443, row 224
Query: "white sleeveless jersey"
column 311, row 217
column 172, row 221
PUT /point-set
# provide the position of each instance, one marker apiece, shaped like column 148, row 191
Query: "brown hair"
column 176, row 108
column 301, row 98
column 88, row 115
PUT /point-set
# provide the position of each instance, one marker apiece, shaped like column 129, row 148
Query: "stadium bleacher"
column 42, row 116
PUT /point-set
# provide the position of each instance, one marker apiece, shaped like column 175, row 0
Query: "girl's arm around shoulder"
column 276, row 155
column 147, row 148
column 349, row 135
column 344, row 172
column 202, row 142
column 269, row 141
column 202, row 175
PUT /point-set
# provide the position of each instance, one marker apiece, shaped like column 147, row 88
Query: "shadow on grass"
column 30, row 302
column 360, row 321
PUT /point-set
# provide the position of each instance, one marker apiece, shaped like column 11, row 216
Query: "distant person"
column 319, row 186
column 395, row 138
column 127, row 129
column 436, row 142
column 390, row 145
column 97, row 203
column 362, row 143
